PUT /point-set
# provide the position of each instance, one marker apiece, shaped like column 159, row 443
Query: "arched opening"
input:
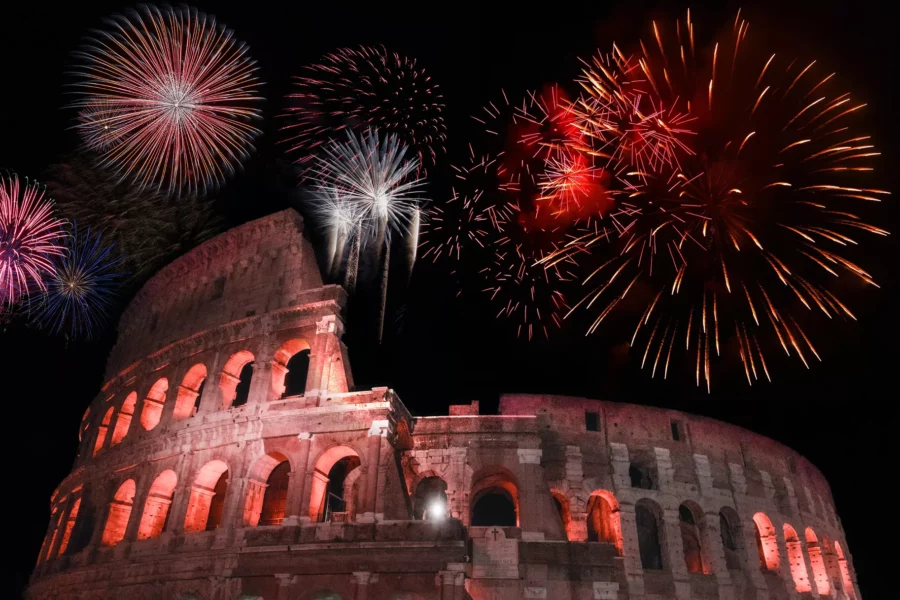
column 604, row 522
column 290, row 368
column 153, row 404
column 123, row 419
column 234, row 376
column 85, row 424
column 188, row 396
column 766, row 543
column 846, row 581
column 267, row 490
column 817, row 562
column 156, row 508
column 641, row 476
column 70, row 524
column 119, row 513
column 565, row 514
column 431, row 499
column 648, row 521
column 495, row 499
column 275, row 497
column 730, row 532
column 692, row 538
column 327, row 500
column 796, row 560
column 83, row 529
column 207, row 499
column 102, row 430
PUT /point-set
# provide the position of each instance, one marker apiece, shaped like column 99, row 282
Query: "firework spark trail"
column 30, row 237
column 81, row 289
column 759, row 213
column 363, row 88
column 177, row 91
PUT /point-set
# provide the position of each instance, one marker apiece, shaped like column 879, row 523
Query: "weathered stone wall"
column 174, row 481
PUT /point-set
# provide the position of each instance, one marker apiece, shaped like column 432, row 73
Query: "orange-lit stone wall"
column 319, row 495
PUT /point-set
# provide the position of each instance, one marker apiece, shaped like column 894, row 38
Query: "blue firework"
column 82, row 288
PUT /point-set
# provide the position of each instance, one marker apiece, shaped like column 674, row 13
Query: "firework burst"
column 363, row 88
column 731, row 248
column 30, row 236
column 81, row 289
column 177, row 91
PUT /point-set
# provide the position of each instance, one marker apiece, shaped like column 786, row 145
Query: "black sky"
column 841, row 414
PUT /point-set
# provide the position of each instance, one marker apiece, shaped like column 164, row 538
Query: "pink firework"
column 29, row 237
column 176, row 90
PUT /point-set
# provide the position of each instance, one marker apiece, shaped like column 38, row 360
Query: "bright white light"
column 436, row 510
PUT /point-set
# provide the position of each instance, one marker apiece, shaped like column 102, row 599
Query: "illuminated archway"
column 123, row 419
column 102, row 430
column 189, row 392
column 153, row 404
column 494, row 498
column 604, row 522
column 817, row 561
column 319, row 505
column 766, row 543
column 290, row 368
column 156, row 508
column 234, row 374
column 796, row 559
column 692, row 529
column 119, row 513
column 260, row 501
column 846, row 581
column 648, row 519
column 207, row 499
column 430, row 499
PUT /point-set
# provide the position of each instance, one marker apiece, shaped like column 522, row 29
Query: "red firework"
column 177, row 91
column 29, row 237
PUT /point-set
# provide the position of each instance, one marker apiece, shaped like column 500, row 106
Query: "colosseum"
column 229, row 456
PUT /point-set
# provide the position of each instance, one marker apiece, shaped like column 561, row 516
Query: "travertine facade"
column 197, row 481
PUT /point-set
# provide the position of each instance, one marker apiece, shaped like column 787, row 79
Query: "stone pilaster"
column 362, row 579
column 294, row 513
column 634, row 572
column 714, row 554
column 784, row 564
column 377, row 432
column 675, row 553
column 620, row 462
column 704, row 474
column 664, row 468
column 531, row 493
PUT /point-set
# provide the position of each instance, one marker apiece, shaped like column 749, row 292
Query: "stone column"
column 362, row 580
column 458, row 485
column 634, row 572
column 253, row 501
column 326, row 359
column 704, row 475
column 675, row 552
column 182, row 493
column 212, row 400
column 261, row 384
column 297, row 490
column 714, row 553
column 446, row 579
column 577, row 528
column 784, row 563
column 377, row 431
column 813, row 591
column 530, row 501
column 137, row 510
column 285, row 582
column 664, row 468
column 620, row 463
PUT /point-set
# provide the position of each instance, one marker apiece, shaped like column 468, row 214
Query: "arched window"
column 119, row 513
column 603, row 522
column 242, row 391
column 234, row 376
column 817, row 561
column 796, row 560
column 123, row 419
column 846, row 581
column 102, row 429
column 290, row 368
column 70, row 524
column 730, row 532
column 207, row 499
column 495, row 498
column 766, row 543
column 156, row 508
column 153, row 404
column 646, row 515
column 431, row 499
column 275, row 497
column 321, row 504
column 189, row 392
column 691, row 538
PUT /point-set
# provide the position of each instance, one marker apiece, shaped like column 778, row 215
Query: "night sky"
column 438, row 349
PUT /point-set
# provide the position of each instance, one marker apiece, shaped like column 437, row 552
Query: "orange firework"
column 733, row 245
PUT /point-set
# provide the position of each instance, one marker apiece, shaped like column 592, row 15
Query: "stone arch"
column 231, row 376
column 102, row 430
column 604, row 522
column 82, row 519
column 320, row 477
column 796, row 560
column 846, row 580
column 119, row 514
column 494, row 498
column 71, row 519
column 207, row 499
column 564, row 510
column 691, row 525
column 259, row 499
column 290, row 367
column 430, row 499
column 817, row 561
column 123, row 419
column 766, row 543
column 731, row 532
column 651, row 531
column 188, row 396
column 156, row 507
column 153, row 404
column 351, row 492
